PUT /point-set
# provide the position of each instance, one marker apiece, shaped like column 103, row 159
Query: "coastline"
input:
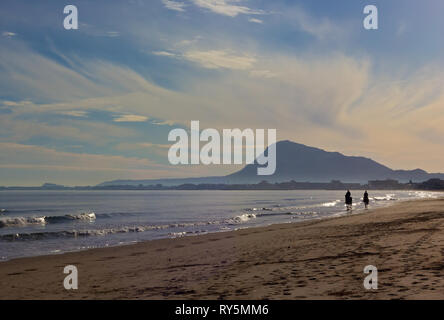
column 316, row 259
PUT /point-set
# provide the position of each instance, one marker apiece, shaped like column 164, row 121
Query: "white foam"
column 242, row 218
column 21, row 221
column 177, row 234
column 83, row 216
column 24, row 221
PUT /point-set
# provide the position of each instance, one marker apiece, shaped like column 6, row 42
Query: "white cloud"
column 130, row 118
column 226, row 7
column 16, row 103
column 217, row 59
column 187, row 42
column 8, row 34
column 254, row 20
column 113, row 34
column 174, row 5
column 332, row 101
column 164, row 123
column 229, row 8
column 74, row 113
column 29, row 74
column 163, row 53
column 97, row 133
column 321, row 28
column 213, row 59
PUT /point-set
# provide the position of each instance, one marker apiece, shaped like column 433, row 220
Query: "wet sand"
column 321, row 259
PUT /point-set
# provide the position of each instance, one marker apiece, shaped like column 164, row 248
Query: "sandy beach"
column 321, row 259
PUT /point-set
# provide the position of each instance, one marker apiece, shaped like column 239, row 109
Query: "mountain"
column 299, row 162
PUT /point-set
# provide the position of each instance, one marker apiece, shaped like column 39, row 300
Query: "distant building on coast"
column 385, row 184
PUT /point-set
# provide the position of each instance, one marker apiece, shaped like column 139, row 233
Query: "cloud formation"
column 8, row 34
column 319, row 101
column 226, row 7
column 307, row 71
column 174, row 5
column 230, row 8
column 216, row 59
column 255, row 20
column 130, row 118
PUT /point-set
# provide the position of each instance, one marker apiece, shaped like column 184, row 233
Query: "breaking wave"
column 258, row 209
column 240, row 219
column 88, row 216
column 25, row 221
column 96, row 232
column 250, row 216
column 21, row 221
column 245, row 216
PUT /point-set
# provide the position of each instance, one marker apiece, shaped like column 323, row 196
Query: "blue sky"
column 93, row 104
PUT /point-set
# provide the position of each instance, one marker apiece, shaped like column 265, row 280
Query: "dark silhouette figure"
column 348, row 200
column 365, row 199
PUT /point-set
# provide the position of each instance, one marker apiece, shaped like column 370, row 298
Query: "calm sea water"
column 44, row 222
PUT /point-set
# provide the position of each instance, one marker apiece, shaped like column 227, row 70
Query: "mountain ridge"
column 299, row 162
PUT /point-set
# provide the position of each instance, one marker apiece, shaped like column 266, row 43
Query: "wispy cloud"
column 130, row 118
column 16, row 103
column 174, row 5
column 300, row 87
column 163, row 53
column 255, row 20
column 188, row 42
column 213, row 59
column 321, row 28
column 8, row 34
column 229, row 8
column 164, row 123
column 74, row 113
column 218, row 59
column 113, row 34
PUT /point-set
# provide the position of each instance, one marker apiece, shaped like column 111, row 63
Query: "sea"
column 40, row 222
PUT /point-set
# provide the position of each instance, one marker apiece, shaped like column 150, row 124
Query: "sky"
column 79, row 107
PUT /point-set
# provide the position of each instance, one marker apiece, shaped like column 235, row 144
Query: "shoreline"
column 252, row 263
column 334, row 216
